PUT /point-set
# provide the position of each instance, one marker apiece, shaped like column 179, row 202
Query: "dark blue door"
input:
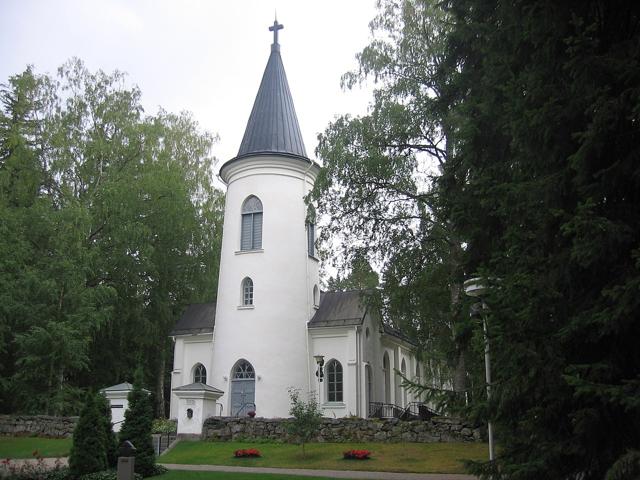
column 243, row 389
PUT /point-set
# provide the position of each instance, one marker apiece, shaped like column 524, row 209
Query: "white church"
column 271, row 328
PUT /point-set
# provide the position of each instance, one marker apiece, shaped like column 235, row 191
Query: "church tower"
column 269, row 280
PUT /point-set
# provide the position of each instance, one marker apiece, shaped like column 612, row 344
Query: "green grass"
column 386, row 457
column 23, row 447
column 185, row 475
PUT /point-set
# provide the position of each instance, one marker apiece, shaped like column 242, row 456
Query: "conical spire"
column 273, row 124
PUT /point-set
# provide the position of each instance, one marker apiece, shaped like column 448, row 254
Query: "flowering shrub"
column 357, row 454
column 249, row 452
column 38, row 470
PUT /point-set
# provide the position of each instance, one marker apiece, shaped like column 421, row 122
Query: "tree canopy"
column 109, row 225
column 503, row 142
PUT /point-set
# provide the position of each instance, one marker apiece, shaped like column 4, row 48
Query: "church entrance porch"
column 243, row 389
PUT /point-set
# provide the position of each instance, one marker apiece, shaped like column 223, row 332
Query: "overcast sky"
column 206, row 57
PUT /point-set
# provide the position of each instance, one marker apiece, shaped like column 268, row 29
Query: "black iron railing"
column 413, row 411
column 384, row 410
column 244, row 409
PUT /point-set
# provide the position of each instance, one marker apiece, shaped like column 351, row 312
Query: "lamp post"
column 319, row 373
column 477, row 287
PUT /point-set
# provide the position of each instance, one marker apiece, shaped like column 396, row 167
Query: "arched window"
column 244, row 370
column 316, row 296
column 334, row 381
column 247, row 291
column 199, row 374
column 387, row 378
column 251, row 235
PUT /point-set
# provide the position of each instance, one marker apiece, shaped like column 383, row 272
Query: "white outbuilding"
column 271, row 328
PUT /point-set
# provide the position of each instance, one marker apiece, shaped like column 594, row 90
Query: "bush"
column 307, row 417
column 357, row 455
column 137, row 427
column 162, row 425
column 33, row 471
column 106, row 475
column 249, row 452
column 88, row 452
column 627, row 467
column 110, row 442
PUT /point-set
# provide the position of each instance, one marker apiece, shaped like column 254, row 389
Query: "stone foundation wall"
column 38, row 425
column 438, row 429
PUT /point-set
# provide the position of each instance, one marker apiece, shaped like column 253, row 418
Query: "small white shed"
column 117, row 396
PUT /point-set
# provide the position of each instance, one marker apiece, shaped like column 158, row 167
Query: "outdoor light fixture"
column 477, row 287
column 320, row 362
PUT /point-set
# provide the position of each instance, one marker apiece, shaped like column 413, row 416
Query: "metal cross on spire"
column 276, row 26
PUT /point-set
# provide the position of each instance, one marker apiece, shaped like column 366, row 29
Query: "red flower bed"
column 357, row 454
column 248, row 452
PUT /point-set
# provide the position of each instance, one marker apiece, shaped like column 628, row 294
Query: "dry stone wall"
column 438, row 429
column 39, row 425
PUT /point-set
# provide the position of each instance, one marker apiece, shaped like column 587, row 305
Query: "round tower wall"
column 271, row 334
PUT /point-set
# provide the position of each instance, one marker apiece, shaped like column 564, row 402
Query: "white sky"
column 206, row 57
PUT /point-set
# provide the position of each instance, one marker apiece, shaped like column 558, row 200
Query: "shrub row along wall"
column 438, row 429
column 40, row 425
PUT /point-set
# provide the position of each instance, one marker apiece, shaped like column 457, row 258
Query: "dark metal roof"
column 197, row 318
column 338, row 309
column 197, row 387
column 121, row 387
column 273, row 124
column 394, row 332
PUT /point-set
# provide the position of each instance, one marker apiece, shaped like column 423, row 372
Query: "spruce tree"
column 110, row 441
column 88, row 453
column 136, row 428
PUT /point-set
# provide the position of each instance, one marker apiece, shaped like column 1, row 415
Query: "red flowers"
column 357, row 454
column 248, row 452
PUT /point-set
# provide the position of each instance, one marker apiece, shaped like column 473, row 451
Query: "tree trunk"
column 455, row 275
column 160, row 413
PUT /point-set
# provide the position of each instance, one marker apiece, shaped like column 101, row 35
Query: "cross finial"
column 276, row 26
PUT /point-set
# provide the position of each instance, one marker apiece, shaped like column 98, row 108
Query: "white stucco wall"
column 189, row 350
column 203, row 406
column 119, row 405
column 271, row 335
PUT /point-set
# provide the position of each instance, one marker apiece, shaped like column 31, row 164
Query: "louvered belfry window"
column 251, row 235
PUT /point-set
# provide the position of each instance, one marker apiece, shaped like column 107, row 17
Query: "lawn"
column 387, row 457
column 185, row 475
column 23, row 447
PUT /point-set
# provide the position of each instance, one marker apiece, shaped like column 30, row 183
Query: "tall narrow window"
column 334, row 381
column 251, row 234
column 311, row 230
column 247, row 291
column 311, row 239
column 199, row 374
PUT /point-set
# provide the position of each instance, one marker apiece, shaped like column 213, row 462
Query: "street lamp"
column 477, row 288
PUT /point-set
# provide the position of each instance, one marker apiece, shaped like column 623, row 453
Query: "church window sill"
column 246, row 307
column 314, row 258
column 334, row 405
column 245, row 252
